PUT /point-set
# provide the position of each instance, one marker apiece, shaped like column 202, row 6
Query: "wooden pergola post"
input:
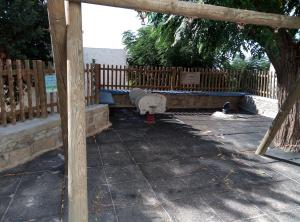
column 69, row 68
column 58, row 32
column 77, row 178
column 293, row 96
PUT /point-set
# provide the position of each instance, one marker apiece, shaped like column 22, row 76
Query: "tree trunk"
column 288, row 137
column 288, row 70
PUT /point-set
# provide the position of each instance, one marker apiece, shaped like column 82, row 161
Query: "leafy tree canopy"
column 24, row 29
column 253, row 63
column 181, row 41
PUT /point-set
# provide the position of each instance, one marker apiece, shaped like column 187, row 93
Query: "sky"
column 103, row 26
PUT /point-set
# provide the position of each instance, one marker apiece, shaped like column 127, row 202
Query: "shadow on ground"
column 189, row 166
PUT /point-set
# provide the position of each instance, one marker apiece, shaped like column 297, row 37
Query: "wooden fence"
column 260, row 83
column 174, row 78
column 23, row 92
column 168, row 78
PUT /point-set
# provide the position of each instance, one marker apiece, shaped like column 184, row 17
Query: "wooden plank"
column 98, row 83
column 108, row 79
column 119, row 77
column 20, row 89
column 260, row 84
column 52, row 106
column 11, row 92
column 117, row 82
column 58, row 33
column 88, row 83
column 123, row 74
column 112, row 77
column 2, row 97
column 36, row 88
column 104, row 79
column 29, row 89
column 204, row 11
column 77, row 167
column 42, row 88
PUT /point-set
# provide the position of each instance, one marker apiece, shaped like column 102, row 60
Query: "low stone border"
column 26, row 140
column 182, row 101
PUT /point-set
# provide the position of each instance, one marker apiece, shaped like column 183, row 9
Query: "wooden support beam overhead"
column 58, row 32
column 77, row 178
column 293, row 96
column 204, row 11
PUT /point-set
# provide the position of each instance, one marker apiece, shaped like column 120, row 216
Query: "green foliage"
column 141, row 47
column 181, row 41
column 23, row 29
column 253, row 63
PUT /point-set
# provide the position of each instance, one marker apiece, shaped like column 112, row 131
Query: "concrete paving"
column 187, row 167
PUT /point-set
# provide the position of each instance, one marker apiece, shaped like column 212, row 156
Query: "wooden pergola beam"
column 292, row 97
column 204, row 11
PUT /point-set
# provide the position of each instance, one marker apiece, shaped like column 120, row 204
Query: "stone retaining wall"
column 177, row 101
column 24, row 141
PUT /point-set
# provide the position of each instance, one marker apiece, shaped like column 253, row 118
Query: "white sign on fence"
column 190, row 78
column 50, row 82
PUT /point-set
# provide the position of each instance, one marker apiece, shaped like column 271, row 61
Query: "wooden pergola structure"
column 66, row 33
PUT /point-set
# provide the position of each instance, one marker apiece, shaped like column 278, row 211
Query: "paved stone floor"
column 187, row 167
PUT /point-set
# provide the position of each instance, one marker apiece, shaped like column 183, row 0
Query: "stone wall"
column 177, row 101
column 260, row 105
column 24, row 141
column 201, row 102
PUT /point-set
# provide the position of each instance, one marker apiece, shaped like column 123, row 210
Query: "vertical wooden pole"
column 42, row 88
column 292, row 97
column 120, row 77
column 98, row 83
column 52, row 93
column 11, row 92
column 29, row 92
column 77, row 179
column 20, row 86
column 87, row 84
column 2, row 97
column 58, row 32
column 104, row 79
column 36, row 88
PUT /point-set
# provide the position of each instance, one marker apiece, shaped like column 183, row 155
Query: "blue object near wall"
column 106, row 98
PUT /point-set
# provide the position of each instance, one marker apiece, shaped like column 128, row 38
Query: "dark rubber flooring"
column 187, row 167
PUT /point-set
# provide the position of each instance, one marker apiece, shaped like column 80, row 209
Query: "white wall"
column 104, row 56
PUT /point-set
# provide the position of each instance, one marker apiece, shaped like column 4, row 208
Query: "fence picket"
column 2, row 96
column 11, row 91
column 42, row 88
column 20, row 89
column 29, row 89
column 97, row 72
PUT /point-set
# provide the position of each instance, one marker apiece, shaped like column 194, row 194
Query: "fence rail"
column 23, row 91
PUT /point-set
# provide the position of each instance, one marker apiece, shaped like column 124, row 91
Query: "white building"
column 104, row 56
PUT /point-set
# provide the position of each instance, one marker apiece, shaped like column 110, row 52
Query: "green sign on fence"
column 50, row 82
